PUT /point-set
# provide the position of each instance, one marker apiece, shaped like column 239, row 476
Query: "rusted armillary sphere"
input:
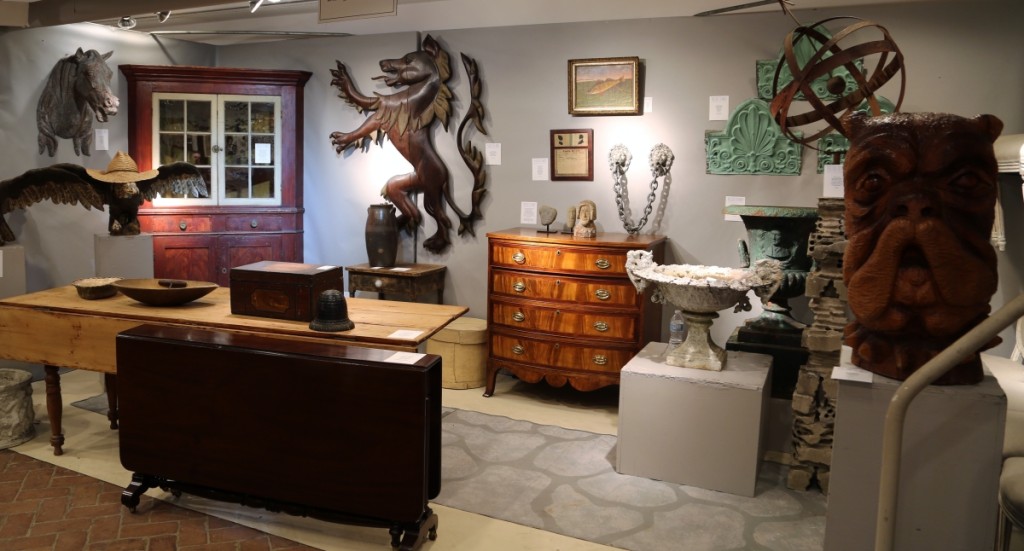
column 828, row 57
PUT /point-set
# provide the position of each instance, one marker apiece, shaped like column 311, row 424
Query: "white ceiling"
column 229, row 22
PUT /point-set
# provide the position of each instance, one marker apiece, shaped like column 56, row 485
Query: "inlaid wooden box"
column 282, row 290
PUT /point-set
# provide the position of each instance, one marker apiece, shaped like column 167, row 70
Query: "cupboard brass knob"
column 182, row 225
column 518, row 350
column 519, row 287
column 603, row 294
column 519, row 316
column 601, row 326
column 600, row 359
column 603, row 263
column 519, row 257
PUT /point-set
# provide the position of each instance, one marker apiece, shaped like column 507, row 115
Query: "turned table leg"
column 110, row 381
column 54, row 408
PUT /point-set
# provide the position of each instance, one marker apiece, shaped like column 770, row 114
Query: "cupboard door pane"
column 172, row 148
column 172, row 115
column 263, row 183
column 236, row 183
column 236, row 149
column 263, row 117
column 236, row 116
column 199, row 117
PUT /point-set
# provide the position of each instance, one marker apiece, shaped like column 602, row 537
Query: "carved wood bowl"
column 164, row 292
column 92, row 288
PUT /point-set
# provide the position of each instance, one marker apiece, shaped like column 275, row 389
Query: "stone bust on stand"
column 586, row 215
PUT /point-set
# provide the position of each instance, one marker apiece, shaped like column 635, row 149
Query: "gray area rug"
column 564, row 481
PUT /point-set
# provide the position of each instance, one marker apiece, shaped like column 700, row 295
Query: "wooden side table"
column 409, row 280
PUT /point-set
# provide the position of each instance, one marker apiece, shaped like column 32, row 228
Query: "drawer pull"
column 603, row 294
column 519, row 286
column 518, row 350
column 558, row 252
column 519, row 316
column 254, row 223
column 519, row 257
column 603, row 263
column 182, row 225
column 601, row 326
column 600, row 359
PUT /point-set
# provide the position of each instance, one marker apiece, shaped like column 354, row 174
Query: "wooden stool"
column 462, row 345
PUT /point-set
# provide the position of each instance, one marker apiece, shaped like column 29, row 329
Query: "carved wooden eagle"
column 124, row 190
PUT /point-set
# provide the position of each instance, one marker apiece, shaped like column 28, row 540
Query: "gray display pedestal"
column 693, row 426
column 949, row 476
column 127, row 256
column 12, row 271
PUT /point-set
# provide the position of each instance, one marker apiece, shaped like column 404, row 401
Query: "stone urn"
column 700, row 292
column 778, row 233
column 16, row 413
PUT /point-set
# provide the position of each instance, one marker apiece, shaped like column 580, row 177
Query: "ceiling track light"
column 163, row 16
column 126, row 22
column 254, row 5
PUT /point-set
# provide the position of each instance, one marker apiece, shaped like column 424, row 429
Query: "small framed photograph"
column 572, row 154
column 604, row 86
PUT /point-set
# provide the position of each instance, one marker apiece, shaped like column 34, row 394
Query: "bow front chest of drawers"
column 562, row 309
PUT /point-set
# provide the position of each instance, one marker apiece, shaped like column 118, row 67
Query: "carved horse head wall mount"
column 77, row 90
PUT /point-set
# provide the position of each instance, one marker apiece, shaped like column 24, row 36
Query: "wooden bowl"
column 164, row 292
column 92, row 288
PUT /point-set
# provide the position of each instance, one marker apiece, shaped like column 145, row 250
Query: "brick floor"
column 45, row 507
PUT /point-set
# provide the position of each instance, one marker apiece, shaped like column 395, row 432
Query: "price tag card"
column 408, row 334
column 833, row 181
column 405, row 357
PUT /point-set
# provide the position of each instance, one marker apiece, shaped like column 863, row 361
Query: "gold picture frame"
column 572, row 154
column 604, row 86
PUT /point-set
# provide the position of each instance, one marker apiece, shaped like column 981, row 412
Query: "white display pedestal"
column 693, row 426
column 12, row 271
column 949, row 475
column 127, row 256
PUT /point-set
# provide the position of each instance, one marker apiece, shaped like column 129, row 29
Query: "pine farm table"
column 58, row 329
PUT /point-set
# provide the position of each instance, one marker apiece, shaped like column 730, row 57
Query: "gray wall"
column 951, row 67
column 58, row 239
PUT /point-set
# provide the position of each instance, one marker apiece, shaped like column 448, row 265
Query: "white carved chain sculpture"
column 660, row 159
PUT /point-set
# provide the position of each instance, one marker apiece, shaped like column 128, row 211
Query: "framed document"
column 572, row 154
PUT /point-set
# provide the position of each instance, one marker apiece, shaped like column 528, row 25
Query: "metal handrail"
column 892, row 435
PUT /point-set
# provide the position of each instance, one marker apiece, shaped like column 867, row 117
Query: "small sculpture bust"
column 586, row 215
column 570, row 219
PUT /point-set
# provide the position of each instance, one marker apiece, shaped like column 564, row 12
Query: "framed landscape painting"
column 604, row 86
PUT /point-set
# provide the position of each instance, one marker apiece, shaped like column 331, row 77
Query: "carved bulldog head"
column 920, row 198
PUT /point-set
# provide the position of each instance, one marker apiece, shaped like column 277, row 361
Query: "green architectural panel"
column 751, row 143
column 804, row 49
column 832, row 147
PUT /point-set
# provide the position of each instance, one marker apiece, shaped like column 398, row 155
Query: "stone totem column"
column 814, row 397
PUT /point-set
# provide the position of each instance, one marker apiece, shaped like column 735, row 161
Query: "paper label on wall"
column 719, row 108
column 528, row 212
column 648, row 104
column 262, row 154
column 732, row 200
column 833, row 181
column 540, row 170
column 492, row 153
column 404, row 357
column 101, row 139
